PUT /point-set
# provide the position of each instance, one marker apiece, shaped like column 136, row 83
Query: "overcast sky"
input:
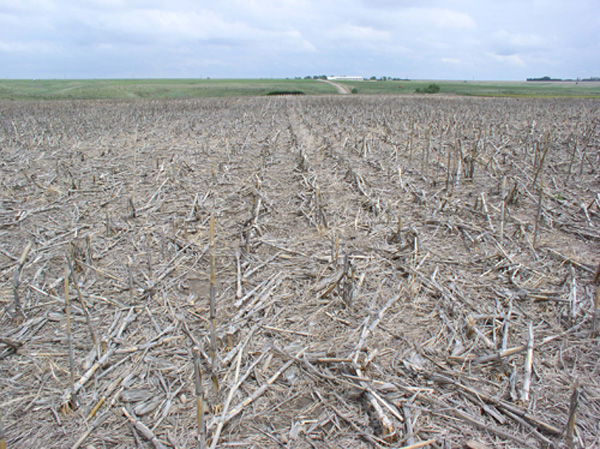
column 426, row 39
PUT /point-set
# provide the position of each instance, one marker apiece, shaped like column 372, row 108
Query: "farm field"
column 521, row 89
column 385, row 271
column 128, row 89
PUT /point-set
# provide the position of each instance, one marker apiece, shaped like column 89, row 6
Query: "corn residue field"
column 304, row 272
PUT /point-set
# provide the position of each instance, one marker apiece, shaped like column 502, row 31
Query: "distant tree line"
column 544, row 78
column 547, row 78
column 387, row 78
column 373, row 78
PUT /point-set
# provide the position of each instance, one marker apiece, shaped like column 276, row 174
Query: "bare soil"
column 389, row 272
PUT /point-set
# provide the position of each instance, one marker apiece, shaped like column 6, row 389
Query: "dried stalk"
column 538, row 215
column 131, row 199
column 2, row 437
column 541, row 161
column 571, row 423
column 97, row 422
column 517, row 349
column 505, row 328
column 260, row 391
column 347, row 285
column 213, row 311
column 69, row 336
column 149, row 256
column 237, row 383
column 238, row 292
column 443, row 405
column 107, row 224
column 86, row 312
column 130, row 279
column 17, row 278
column 573, row 295
column 72, row 392
column 506, row 406
column 596, row 313
column 143, row 429
column 571, row 160
column 387, row 427
column 420, row 444
column 199, row 397
column 485, row 210
column 503, row 209
column 408, row 428
column 528, row 366
column 409, row 143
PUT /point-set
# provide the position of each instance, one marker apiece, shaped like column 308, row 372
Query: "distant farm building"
column 345, row 78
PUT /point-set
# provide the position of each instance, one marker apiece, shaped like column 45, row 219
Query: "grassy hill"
column 194, row 88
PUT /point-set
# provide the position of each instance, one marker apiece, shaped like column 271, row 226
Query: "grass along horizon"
column 159, row 88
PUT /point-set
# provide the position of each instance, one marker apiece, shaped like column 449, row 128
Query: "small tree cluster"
column 431, row 89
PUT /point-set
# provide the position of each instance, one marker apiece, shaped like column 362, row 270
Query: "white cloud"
column 508, row 59
column 451, row 60
column 521, row 41
column 358, row 33
column 446, row 18
column 156, row 25
column 408, row 38
column 27, row 48
column 435, row 18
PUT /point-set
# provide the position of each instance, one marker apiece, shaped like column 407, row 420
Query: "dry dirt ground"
column 389, row 271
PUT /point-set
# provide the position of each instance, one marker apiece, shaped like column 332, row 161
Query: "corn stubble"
column 392, row 272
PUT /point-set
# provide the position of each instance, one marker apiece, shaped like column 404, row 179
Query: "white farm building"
column 345, row 78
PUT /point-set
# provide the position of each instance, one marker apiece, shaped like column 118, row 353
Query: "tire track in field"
column 340, row 201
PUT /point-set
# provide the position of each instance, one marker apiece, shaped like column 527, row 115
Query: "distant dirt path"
column 340, row 88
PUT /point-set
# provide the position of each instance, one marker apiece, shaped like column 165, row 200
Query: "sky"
column 415, row 39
